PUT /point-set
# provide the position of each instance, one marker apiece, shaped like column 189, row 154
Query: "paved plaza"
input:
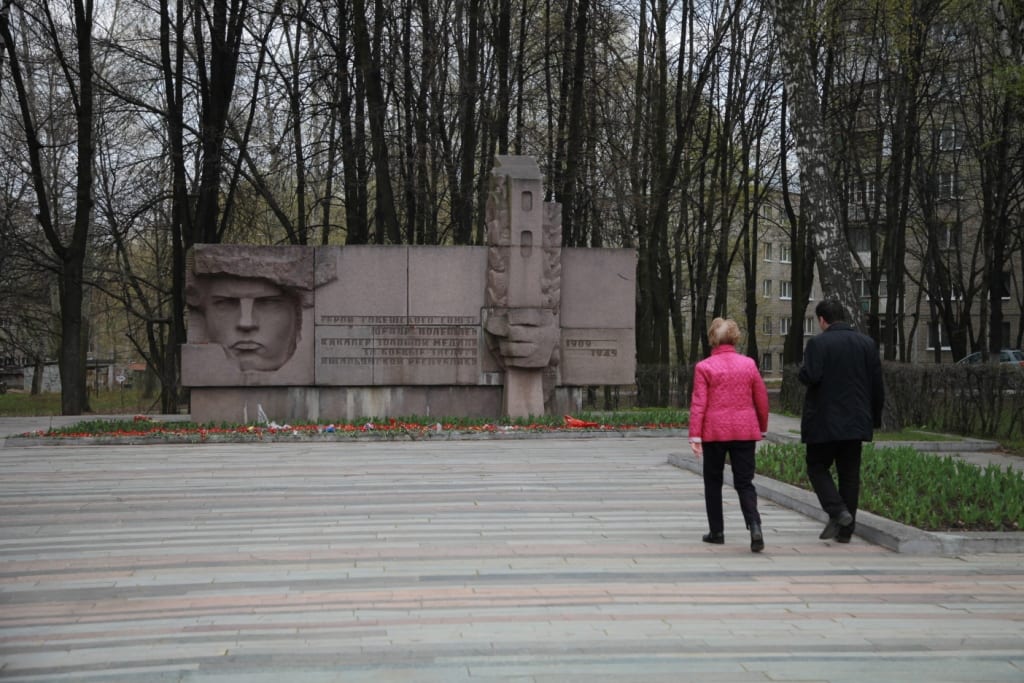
column 538, row 559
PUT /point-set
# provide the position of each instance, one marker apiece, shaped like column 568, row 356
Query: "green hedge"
column 984, row 400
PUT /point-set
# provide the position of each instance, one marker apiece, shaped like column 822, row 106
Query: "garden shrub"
column 985, row 400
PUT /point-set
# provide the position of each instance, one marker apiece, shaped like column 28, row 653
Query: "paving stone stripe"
column 533, row 560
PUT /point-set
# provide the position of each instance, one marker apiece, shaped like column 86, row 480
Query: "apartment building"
column 775, row 293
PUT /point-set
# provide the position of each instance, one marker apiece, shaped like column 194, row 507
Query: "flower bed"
column 143, row 429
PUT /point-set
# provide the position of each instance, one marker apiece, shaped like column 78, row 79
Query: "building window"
column 949, row 236
column 809, row 325
column 766, row 288
column 769, row 212
column 784, row 325
column 864, row 287
column 955, row 294
column 782, row 360
column 949, row 185
column 767, row 248
column 862, row 193
column 785, row 253
column 860, row 240
column 949, row 140
column 785, row 290
column 937, row 336
column 766, row 324
column 766, row 362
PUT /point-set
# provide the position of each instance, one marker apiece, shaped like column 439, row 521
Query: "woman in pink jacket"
column 728, row 416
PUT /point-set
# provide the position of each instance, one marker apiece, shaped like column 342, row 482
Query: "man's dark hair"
column 831, row 310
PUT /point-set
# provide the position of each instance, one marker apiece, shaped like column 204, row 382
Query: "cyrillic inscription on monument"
column 383, row 349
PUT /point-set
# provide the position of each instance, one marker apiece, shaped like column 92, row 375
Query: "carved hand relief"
column 524, row 337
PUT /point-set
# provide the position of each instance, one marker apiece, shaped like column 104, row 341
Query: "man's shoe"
column 844, row 518
column 844, row 534
column 756, row 538
column 717, row 539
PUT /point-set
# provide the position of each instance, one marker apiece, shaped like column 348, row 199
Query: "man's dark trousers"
column 846, row 456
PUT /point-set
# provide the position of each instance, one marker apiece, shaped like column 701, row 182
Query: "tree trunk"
column 39, row 367
column 574, row 127
column 182, row 211
column 72, row 360
column 795, row 28
column 463, row 196
column 216, row 73
column 502, row 57
column 801, row 253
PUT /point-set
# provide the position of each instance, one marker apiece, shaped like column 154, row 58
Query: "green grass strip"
column 932, row 492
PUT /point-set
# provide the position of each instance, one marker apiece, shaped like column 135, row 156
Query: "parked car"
column 1010, row 356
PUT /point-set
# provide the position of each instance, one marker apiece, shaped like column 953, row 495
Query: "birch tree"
column 799, row 26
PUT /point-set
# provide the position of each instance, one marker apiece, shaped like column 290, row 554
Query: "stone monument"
column 524, row 283
column 515, row 328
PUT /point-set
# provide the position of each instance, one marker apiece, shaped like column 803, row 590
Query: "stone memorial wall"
column 517, row 327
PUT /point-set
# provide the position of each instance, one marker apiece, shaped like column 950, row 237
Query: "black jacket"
column 843, row 375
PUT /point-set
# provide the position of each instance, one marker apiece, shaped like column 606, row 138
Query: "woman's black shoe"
column 712, row 537
column 756, row 538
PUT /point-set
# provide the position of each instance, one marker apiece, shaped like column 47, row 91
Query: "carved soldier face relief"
column 255, row 321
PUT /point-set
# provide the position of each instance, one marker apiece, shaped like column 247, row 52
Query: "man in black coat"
column 843, row 406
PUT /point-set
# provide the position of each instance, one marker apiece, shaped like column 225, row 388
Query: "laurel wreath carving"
column 498, row 240
column 551, row 281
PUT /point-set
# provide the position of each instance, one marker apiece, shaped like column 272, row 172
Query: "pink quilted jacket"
column 729, row 402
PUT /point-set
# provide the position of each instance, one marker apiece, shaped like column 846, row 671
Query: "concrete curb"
column 963, row 445
column 872, row 528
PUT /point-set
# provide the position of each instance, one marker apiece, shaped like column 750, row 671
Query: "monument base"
column 241, row 405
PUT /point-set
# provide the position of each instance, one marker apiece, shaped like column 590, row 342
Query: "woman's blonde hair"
column 723, row 331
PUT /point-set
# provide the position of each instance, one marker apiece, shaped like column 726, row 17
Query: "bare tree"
column 671, row 121
column 758, row 162
column 368, row 60
column 64, row 34
column 29, row 328
column 996, row 139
